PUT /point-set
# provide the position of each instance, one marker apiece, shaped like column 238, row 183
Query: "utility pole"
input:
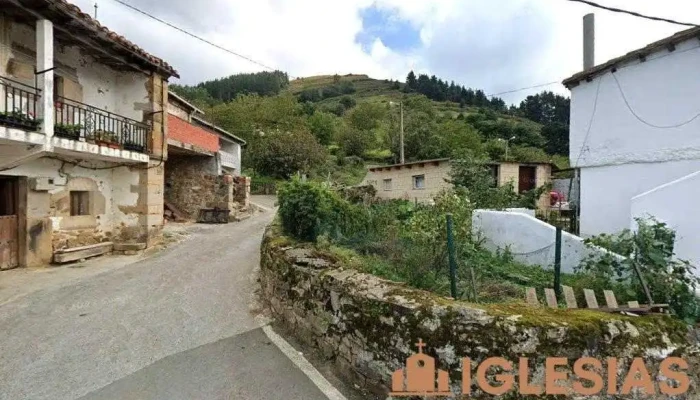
column 401, row 138
column 96, row 10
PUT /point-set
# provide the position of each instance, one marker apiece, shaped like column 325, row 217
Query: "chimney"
column 588, row 41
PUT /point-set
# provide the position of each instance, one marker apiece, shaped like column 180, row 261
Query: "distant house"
column 635, row 136
column 422, row 180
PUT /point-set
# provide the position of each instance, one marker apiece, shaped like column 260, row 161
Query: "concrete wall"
column 529, row 240
column 623, row 157
column 402, row 181
column 676, row 204
column 510, row 172
column 231, row 156
column 366, row 328
column 607, row 192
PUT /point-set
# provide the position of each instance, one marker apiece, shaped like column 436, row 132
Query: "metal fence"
column 19, row 105
column 79, row 121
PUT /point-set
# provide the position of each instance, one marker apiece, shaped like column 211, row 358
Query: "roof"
column 181, row 100
column 439, row 160
column 409, row 164
column 217, row 129
column 71, row 23
column 668, row 43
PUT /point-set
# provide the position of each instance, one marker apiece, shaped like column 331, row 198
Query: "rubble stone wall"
column 367, row 327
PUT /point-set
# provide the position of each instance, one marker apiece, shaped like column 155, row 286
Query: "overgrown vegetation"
column 356, row 116
column 669, row 280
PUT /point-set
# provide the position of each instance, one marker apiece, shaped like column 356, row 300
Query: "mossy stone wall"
column 367, row 327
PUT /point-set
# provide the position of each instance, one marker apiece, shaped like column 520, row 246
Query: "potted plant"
column 20, row 120
column 68, row 131
column 131, row 144
column 106, row 138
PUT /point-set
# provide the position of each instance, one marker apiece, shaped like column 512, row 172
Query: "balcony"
column 82, row 122
column 18, row 107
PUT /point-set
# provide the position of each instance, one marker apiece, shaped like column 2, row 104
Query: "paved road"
column 180, row 325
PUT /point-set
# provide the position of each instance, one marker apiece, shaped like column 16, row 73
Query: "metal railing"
column 79, row 121
column 228, row 159
column 18, row 105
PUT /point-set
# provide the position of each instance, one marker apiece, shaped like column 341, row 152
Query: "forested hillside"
column 331, row 126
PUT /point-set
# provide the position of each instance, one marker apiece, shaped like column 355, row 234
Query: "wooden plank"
column 91, row 251
column 88, row 247
column 633, row 304
column 569, row 296
column 531, row 296
column 590, row 298
column 610, row 299
column 551, row 298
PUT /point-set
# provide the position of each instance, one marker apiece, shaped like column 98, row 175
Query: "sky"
column 493, row 45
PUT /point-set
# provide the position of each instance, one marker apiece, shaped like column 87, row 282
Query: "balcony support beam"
column 44, row 60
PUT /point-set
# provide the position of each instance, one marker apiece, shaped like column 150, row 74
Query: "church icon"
column 419, row 377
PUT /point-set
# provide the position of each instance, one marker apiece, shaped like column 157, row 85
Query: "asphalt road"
column 179, row 325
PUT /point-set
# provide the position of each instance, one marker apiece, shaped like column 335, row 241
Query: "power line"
column 633, row 13
column 125, row 4
column 642, row 120
column 525, row 88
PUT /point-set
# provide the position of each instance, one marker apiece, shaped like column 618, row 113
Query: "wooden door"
column 9, row 241
column 527, row 178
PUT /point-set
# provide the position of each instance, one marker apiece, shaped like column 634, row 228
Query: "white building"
column 82, row 136
column 635, row 135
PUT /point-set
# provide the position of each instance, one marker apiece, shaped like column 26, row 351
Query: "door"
column 9, row 243
column 527, row 178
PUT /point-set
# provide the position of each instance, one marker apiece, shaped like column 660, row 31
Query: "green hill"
column 330, row 126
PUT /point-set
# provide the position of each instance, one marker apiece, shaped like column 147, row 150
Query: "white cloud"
column 493, row 45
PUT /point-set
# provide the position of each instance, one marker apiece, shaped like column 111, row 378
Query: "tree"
column 556, row 136
column 282, row 154
column 411, row 81
column 347, row 102
column 323, row 126
column 366, row 116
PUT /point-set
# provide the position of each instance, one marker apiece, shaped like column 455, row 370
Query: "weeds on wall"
column 670, row 281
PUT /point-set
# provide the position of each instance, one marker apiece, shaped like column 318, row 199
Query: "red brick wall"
column 185, row 132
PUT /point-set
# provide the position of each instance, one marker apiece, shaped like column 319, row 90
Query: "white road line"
column 305, row 366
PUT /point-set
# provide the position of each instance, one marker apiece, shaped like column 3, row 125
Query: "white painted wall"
column 114, row 184
column 231, row 155
column 529, row 240
column 621, row 157
column 607, row 192
column 122, row 93
column 676, row 204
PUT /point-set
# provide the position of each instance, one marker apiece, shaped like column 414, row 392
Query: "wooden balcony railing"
column 79, row 121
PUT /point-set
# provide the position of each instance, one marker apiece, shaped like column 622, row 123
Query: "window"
column 79, row 203
column 57, row 87
column 419, row 181
column 387, row 184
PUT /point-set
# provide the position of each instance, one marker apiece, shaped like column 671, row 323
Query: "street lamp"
column 401, row 136
column 506, row 140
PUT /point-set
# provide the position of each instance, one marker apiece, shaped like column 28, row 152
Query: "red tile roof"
column 72, row 11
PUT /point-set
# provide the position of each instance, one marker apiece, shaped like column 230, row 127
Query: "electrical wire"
column 642, row 120
column 633, row 13
column 125, row 4
column 525, row 88
column 590, row 124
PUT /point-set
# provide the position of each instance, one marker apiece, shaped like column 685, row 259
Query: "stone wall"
column 367, row 327
column 190, row 186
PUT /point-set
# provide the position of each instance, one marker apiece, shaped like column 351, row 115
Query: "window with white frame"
column 387, row 184
column 419, row 181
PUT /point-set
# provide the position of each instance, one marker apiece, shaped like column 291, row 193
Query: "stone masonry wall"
column 367, row 327
column 190, row 187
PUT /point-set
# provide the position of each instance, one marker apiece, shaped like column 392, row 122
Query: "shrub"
column 669, row 280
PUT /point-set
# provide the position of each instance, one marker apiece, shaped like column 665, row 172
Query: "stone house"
column 204, row 163
column 422, row 180
column 634, row 140
column 82, row 136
